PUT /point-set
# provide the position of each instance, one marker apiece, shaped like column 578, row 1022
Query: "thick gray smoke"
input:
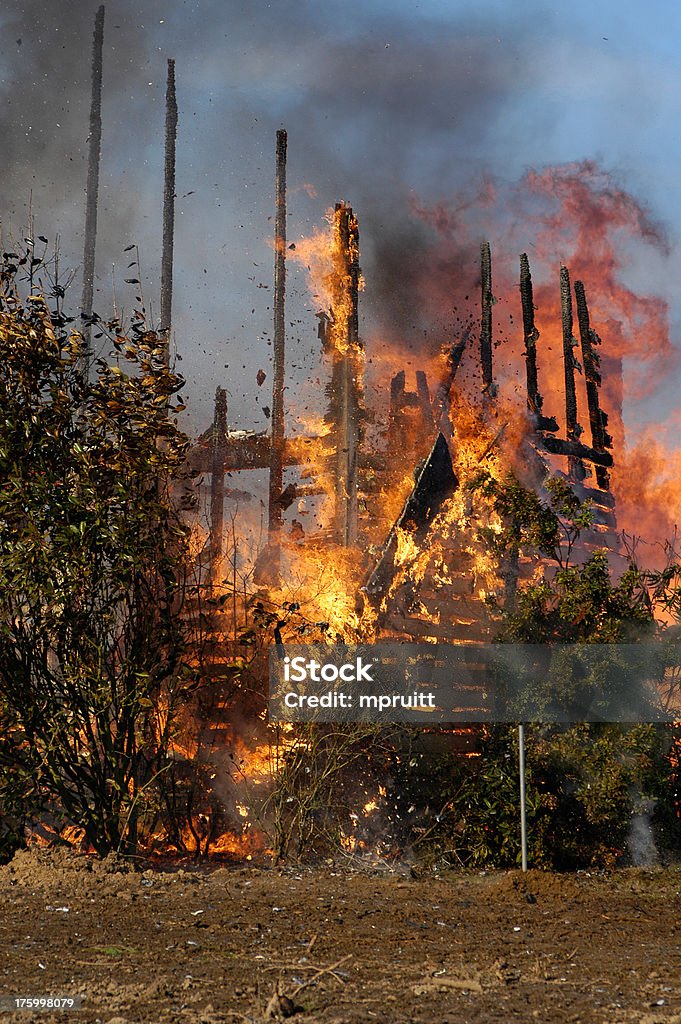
column 382, row 109
column 391, row 106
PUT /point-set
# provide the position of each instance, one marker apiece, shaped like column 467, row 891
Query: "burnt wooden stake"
column 535, row 402
column 425, row 403
column 486, row 325
column 168, row 211
column 92, row 188
column 275, row 510
column 396, row 433
column 573, row 429
column 530, row 336
column 597, row 418
column 442, row 399
column 218, row 450
column 406, row 431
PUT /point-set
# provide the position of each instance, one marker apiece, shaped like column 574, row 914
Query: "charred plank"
column 486, row 324
column 570, row 364
column 598, row 419
column 535, row 400
column 575, row 450
column 441, row 402
column 425, row 404
column 530, row 336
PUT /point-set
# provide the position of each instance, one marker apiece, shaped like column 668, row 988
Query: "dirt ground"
column 344, row 945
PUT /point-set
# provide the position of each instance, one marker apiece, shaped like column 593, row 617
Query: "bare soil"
column 211, row 947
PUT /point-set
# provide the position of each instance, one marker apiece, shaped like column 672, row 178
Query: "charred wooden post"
column 530, row 336
column 345, row 388
column 395, row 431
column 168, row 211
column 442, row 402
column 218, row 451
column 598, row 419
column 486, row 324
column 425, row 403
column 276, row 508
column 573, row 429
column 535, row 401
column 410, row 420
column 92, row 188
column 576, row 451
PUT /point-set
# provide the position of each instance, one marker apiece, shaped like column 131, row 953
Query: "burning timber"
column 424, row 579
column 341, row 339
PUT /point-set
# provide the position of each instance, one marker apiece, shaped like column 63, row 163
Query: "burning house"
column 394, row 542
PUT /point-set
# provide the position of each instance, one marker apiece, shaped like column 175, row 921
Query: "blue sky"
column 385, row 104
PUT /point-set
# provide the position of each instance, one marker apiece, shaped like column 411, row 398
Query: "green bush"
column 583, row 782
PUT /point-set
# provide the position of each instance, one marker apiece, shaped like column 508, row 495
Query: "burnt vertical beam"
column 568, row 356
column 348, row 232
column 530, row 336
column 168, row 211
column 486, row 322
column 535, row 402
column 395, row 427
column 442, row 398
column 573, row 429
column 425, row 403
column 276, row 483
column 92, row 187
column 345, row 383
column 598, row 419
column 218, row 453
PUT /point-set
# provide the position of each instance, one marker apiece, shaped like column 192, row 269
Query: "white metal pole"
column 523, row 808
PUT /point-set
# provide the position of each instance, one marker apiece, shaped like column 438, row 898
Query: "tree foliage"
column 92, row 563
